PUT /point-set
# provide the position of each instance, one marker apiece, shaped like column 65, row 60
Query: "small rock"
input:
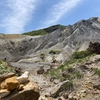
column 20, row 87
column 4, row 93
column 23, row 78
column 40, row 71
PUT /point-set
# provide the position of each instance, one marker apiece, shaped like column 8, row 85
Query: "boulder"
column 7, row 75
column 4, row 93
column 23, row 78
column 29, row 92
column 10, row 84
column 64, row 86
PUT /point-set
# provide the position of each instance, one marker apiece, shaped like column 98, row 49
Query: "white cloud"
column 18, row 15
column 58, row 10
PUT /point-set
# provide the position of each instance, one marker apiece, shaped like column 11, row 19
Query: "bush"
column 4, row 68
column 54, row 52
column 97, row 71
column 42, row 56
column 80, row 54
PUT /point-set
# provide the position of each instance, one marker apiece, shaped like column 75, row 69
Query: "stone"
column 7, row 75
column 23, row 78
column 64, row 86
column 30, row 92
column 21, row 87
column 10, row 84
column 4, row 93
column 42, row 97
column 96, row 86
column 40, row 71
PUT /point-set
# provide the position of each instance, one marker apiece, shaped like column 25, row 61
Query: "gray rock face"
column 72, row 38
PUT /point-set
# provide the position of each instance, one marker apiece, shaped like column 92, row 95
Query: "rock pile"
column 18, row 88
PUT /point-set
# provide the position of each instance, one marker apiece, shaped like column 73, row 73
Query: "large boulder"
column 10, row 84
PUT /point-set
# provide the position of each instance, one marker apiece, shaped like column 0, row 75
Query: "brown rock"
column 4, row 76
column 97, row 86
column 40, row 71
column 10, row 84
column 21, row 87
column 30, row 92
column 64, row 86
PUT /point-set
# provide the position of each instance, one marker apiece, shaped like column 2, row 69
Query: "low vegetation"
column 44, row 31
column 80, row 57
column 4, row 68
column 97, row 72
column 67, row 71
column 42, row 56
column 54, row 52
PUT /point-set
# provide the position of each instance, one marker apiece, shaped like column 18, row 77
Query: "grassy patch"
column 66, row 71
column 97, row 71
column 4, row 68
column 54, row 52
column 44, row 31
column 80, row 57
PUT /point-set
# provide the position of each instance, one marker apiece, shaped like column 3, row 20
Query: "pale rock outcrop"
column 23, row 78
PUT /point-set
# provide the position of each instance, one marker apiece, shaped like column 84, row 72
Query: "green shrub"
column 78, row 75
column 42, row 56
column 80, row 54
column 44, row 31
column 54, row 52
column 4, row 68
column 97, row 71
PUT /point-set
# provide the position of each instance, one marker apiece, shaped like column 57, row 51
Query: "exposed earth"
column 48, row 60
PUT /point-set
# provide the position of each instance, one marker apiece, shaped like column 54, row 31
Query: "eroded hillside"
column 66, row 41
column 63, row 62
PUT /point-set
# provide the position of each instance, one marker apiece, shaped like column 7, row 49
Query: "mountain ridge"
column 68, row 40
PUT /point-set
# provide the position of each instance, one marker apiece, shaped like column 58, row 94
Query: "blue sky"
column 19, row 16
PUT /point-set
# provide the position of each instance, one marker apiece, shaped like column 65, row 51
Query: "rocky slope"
column 66, row 41
column 44, row 56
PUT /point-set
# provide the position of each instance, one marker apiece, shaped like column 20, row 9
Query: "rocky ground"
column 47, row 59
column 85, row 87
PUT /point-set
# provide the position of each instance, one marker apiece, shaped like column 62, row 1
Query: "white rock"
column 42, row 98
column 23, row 78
